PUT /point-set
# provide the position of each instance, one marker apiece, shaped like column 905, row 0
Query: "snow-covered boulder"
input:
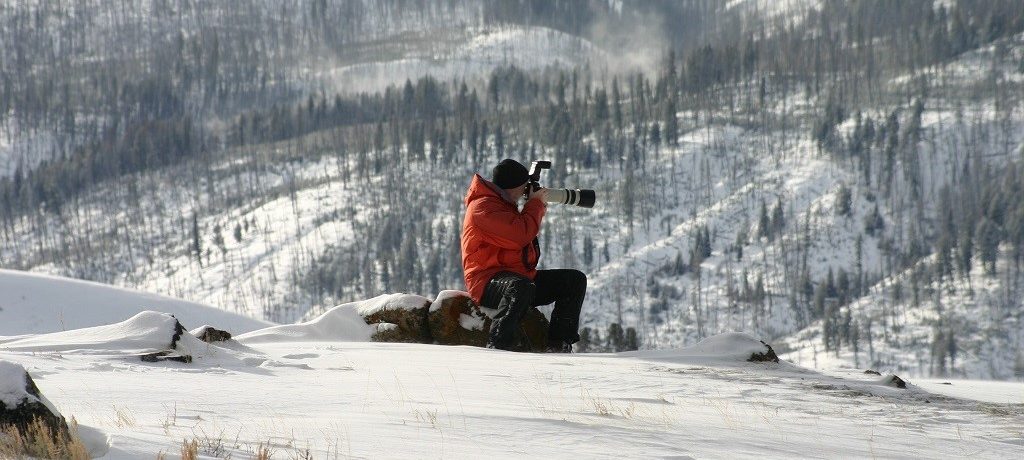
column 151, row 336
column 146, row 332
column 21, row 403
column 398, row 318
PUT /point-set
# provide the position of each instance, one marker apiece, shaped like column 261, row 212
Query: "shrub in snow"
column 22, row 405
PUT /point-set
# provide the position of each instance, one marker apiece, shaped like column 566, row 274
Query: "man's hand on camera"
column 540, row 194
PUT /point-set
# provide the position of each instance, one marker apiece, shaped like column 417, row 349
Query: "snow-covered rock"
column 21, row 403
column 407, row 313
column 146, row 332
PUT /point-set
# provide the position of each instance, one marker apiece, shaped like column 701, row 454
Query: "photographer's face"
column 518, row 192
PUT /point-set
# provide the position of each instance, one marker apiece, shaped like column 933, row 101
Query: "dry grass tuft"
column 263, row 451
column 189, row 449
column 39, row 442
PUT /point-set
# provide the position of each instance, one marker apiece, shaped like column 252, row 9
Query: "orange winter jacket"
column 497, row 237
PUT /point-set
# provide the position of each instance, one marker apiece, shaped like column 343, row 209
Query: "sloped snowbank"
column 32, row 303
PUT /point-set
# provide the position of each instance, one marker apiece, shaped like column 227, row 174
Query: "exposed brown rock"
column 209, row 334
column 410, row 325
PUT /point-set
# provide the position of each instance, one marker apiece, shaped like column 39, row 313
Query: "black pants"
column 514, row 294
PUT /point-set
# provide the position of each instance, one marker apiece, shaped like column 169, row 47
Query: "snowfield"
column 334, row 396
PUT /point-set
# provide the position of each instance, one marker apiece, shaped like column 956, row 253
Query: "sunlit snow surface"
column 342, row 399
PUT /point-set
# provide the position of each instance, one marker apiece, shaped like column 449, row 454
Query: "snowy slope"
column 718, row 176
column 330, row 399
column 32, row 303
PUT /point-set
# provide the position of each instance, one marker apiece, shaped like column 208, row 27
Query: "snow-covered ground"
column 337, row 397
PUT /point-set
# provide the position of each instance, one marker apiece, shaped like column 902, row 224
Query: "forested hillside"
column 842, row 178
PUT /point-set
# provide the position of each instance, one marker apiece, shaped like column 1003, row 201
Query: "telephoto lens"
column 575, row 197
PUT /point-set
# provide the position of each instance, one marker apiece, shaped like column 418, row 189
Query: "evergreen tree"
column 197, row 247
column 616, row 338
column 632, row 342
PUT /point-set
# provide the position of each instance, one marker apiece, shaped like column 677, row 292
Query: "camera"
column 575, row 197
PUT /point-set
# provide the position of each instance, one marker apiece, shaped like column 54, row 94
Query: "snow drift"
column 343, row 323
column 145, row 332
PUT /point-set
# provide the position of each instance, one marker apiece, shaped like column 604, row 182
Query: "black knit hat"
column 509, row 174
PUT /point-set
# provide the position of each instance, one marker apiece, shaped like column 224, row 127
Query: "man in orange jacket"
column 499, row 259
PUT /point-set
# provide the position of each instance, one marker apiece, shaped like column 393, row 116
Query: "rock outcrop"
column 171, row 353
column 451, row 319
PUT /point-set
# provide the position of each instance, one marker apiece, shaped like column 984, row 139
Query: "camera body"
column 576, row 197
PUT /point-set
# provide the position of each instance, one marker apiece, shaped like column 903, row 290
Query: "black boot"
column 558, row 347
column 515, row 295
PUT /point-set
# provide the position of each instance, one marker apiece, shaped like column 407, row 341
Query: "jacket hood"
column 480, row 188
